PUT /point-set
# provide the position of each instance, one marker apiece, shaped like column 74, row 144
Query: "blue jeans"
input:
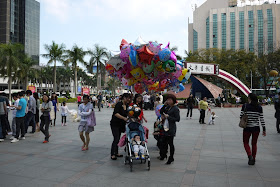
column 30, row 117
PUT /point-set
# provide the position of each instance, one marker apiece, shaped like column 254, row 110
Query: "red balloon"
column 123, row 42
column 139, row 88
column 109, row 67
column 145, row 55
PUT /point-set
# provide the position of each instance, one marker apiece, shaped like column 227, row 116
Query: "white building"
column 222, row 24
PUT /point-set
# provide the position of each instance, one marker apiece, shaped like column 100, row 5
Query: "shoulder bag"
column 244, row 119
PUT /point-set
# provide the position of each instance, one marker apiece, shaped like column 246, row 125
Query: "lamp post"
column 251, row 80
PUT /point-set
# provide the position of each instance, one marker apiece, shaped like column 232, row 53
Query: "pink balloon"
column 154, row 47
column 167, row 47
column 125, row 52
column 178, row 71
column 124, row 82
column 173, row 57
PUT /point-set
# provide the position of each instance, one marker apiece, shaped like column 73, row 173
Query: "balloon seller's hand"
column 264, row 133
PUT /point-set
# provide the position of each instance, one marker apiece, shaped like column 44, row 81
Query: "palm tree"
column 98, row 56
column 9, row 61
column 74, row 56
column 55, row 53
column 26, row 70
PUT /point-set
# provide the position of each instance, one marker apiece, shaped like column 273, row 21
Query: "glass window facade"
column 251, row 30
column 224, row 30
column 269, row 30
column 232, row 30
column 260, row 32
column 195, row 40
column 207, row 34
column 241, row 30
column 215, row 31
column 32, row 29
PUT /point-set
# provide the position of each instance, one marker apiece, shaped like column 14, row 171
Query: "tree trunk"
column 69, row 85
column 10, row 87
column 54, row 77
column 75, row 81
column 26, row 83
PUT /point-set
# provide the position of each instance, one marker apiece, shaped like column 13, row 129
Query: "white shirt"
column 161, row 99
column 64, row 110
column 14, row 110
column 146, row 98
column 94, row 98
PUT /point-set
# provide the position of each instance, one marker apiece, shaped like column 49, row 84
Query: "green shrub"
column 72, row 100
column 244, row 99
column 60, row 100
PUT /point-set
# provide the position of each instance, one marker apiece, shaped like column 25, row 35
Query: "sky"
column 107, row 22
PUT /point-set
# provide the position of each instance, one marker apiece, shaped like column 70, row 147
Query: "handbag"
column 91, row 120
column 244, row 119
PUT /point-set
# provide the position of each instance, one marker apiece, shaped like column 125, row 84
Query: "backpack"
column 91, row 120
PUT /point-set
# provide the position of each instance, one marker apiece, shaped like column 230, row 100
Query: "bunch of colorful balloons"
column 147, row 67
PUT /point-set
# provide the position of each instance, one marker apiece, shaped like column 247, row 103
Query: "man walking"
column 277, row 113
column 20, row 115
column 30, row 116
column 190, row 105
column 3, row 111
column 99, row 99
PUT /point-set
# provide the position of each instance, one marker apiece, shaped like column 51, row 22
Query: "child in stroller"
column 135, row 134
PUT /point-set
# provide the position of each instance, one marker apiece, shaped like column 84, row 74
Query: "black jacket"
column 174, row 116
column 277, row 108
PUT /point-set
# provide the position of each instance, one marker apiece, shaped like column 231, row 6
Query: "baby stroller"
column 135, row 128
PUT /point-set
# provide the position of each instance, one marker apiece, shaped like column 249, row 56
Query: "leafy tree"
column 55, row 53
column 75, row 55
column 9, row 61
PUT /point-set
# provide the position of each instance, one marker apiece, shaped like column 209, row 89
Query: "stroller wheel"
column 130, row 163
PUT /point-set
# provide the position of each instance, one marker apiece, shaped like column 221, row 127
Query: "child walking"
column 64, row 113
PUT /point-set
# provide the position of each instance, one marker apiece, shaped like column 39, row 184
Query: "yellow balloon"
column 184, row 72
column 138, row 74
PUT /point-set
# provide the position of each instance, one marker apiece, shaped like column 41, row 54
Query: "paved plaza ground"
column 204, row 156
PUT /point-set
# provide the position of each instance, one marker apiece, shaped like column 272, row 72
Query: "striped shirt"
column 255, row 115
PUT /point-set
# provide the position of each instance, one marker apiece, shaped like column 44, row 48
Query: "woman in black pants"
column 171, row 113
column 117, row 124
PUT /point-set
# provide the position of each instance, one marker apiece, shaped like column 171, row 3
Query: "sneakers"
column 12, row 137
column 137, row 157
column 143, row 157
column 65, row 124
column 62, row 124
column 2, row 140
column 22, row 138
column 14, row 140
column 45, row 141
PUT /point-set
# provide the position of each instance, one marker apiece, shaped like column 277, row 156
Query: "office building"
column 224, row 25
column 20, row 23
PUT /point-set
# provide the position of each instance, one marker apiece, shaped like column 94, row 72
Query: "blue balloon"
column 133, row 58
column 164, row 55
column 180, row 63
column 181, row 87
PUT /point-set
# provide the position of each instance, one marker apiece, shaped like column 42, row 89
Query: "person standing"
column 161, row 98
column 20, row 115
column 99, row 101
column 169, row 112
column 55, row 103
column 277, row 113
column 3, row 111
column 202, row 107
column 14, row 106
column 255, row 116
column 146, row 99
column 117, row 123
column 45, row 117
column 64, row 113
column 85, row 110
column 190, row 105
column 30, row 116
column 37, row 115
column 94, row 100
column 152, row 101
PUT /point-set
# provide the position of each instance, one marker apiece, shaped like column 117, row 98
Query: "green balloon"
column 148, row 68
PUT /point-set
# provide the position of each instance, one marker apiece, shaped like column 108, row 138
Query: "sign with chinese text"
column 32, row 88
column 86, row 91
column 201, row 68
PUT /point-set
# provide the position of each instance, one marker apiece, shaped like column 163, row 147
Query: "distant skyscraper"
column 20, row 23
column 223, row 25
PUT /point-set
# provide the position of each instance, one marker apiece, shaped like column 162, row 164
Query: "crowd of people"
column 26, row 108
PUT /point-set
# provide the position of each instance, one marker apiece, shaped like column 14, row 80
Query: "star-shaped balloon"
column 116, row 62
column 145, row 55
